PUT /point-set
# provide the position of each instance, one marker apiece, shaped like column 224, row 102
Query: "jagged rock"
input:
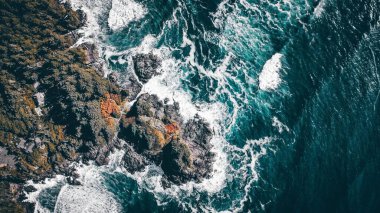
column 69, row 113
column 64, row 117
column 157, row 132
column 132, row 160
column 131, row 87
column 177, row 162
column 197, row 134
column 146, row 66
column 110, row 108
column 113, row 77
column 75, row 117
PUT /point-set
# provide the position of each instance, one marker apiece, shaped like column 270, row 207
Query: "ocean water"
column 290, row 87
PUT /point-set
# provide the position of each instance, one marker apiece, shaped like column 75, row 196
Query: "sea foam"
column 123, row 12
column 269, row 78
column 318, row 10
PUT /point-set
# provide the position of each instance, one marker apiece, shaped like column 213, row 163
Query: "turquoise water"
column 291, row 89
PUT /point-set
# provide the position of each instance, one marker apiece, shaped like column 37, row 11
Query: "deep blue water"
column 323, row 154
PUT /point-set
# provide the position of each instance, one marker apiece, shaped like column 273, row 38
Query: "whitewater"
column 225, row 61
column 233, row 163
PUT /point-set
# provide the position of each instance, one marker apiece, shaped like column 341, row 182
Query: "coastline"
column 38, row 140
column 57, row 108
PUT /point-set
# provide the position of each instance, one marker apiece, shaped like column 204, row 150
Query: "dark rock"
column 133, row 161
column 157, row 132
column 146, row 66
column 197, row 134
column 131, row 87
column 177, row 162
column 37, row 48
column 113, row 77
column 73, row 181
column 29, row 188
column 146, row 133
column 147, row 105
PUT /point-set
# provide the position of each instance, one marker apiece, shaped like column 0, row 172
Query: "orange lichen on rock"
column 116, row 98
column 160, row 138
column 61, row 134
column 110, row 121
column 26, row 109
column 110, row 108
column 172, row 130
column 29, row 102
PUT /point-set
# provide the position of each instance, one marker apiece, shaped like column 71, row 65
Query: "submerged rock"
column 157, row 132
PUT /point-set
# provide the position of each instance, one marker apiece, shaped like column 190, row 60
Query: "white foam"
column 40, row 98
column 32, row 197
column 94, row 10
column 89, row 199
column 269, row 78
column 123, row 12
column 212, row 113
column 38, row 111
column 147, row 46
column 250, row 149
column 318, row 10
column 280, row 126
column 166, row 85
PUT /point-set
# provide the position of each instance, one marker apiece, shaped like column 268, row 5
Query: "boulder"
column 177, row 162
column 156, row 133
column 132, row 160
column 146, row 66
column 145, row 133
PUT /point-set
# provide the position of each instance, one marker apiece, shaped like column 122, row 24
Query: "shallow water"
column 289, row 87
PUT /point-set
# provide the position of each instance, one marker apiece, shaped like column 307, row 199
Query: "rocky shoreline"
column 56, row 108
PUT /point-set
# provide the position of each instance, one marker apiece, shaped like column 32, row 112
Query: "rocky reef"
column 57, row 108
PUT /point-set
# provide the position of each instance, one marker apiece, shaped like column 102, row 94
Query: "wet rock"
column 157, row 132
column 133, row 161
column 73, row 181
column 113, row 77
column 131, row 87
column 147, row 105
column 146, row 66
column 197, row 134
column 177, row 161
column 148, row 133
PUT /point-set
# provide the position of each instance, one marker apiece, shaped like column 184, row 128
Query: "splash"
column 123, row 12
column 270, row 77
column 319, row 9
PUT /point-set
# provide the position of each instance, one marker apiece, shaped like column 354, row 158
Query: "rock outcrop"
column 146, row 66
column 157, row 132
column 56, row 108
